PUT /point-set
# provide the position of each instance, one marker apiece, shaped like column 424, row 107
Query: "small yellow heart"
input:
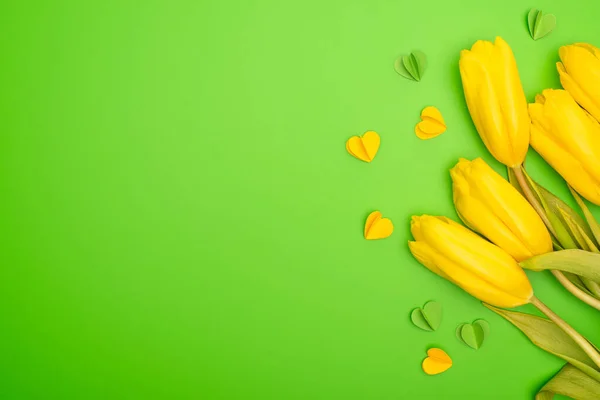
column 377, row 227
column 437, row 361
column 432, row 124
column 364, row 147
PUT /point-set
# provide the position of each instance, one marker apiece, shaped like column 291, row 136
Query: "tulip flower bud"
column 479, row 267
column 568, row 138
column 490, row 205
column 580, row 75
column 496, row 100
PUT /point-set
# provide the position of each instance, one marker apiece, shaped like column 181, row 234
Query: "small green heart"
column 484, row 325
column 429, row 317
column 399, row 67
column 540, row 24
column 473, row 335
column 411, row 66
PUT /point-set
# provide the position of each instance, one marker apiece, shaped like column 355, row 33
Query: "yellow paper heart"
column 437, row 361
column 432, row 124
column 377, row 227
column 364, row 147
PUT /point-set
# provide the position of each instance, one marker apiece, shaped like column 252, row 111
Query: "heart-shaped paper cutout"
column 377, row 227
column 432, row 124
column 411, row 66
column 364, row 147
column 437, row 361
column 473, row 335
column 429, row 317
column 540, row 24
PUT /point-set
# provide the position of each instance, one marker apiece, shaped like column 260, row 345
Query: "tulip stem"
column 590, row 285
column 535, row 203
column 575, row 291
column 583, row 343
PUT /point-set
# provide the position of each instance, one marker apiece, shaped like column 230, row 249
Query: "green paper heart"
column 429, row 317
column 540, row 24
column 412, row 66
column 473, row 335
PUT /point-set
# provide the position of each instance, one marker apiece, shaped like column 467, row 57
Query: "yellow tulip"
column 496, row 100
column 580, row 75
column 490, row 205
column 568, row 138
column 479, row 267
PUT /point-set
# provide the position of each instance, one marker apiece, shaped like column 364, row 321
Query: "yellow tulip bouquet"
column 525, row 225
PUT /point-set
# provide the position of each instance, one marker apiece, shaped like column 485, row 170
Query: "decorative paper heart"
column 432, row 124
column 412, row 66
column 540, row 24
column 429, row 317
column 364, row 147
column 437, row 361
column 377, row 227
column 473, row 334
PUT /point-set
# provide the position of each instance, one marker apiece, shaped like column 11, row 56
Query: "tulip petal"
column 488, row 290
column 496, row 100
column 493, row 207
column 580, row 75
column 469, row 282
column 424, row 254
column 565, row 164
column 579, row 93
column 572, row 127
column 489, row 266
column 484, row 221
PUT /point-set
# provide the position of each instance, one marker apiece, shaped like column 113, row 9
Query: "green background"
column 180, row 219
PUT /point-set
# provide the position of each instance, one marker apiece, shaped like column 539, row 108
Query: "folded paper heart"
column 473, row 334
column 437, row 361
column 377, row 227
column 432, row 124
column 429, row 317
column 540, row 24
column 364, row 147
column 411, row 66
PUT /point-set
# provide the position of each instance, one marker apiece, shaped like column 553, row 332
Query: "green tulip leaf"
column 546, row 335
column 567, row 223
column 411, row 66
column 557, row 206
column 429, row 317
column 512, row 179
column 593, row 224
column 576, row 280
column 584, row 242
column 561, row 235
column 591, row 286
column 584, row 284
column 578, row 262
column 473, row 334
column 540, row 24
column 570, row 382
